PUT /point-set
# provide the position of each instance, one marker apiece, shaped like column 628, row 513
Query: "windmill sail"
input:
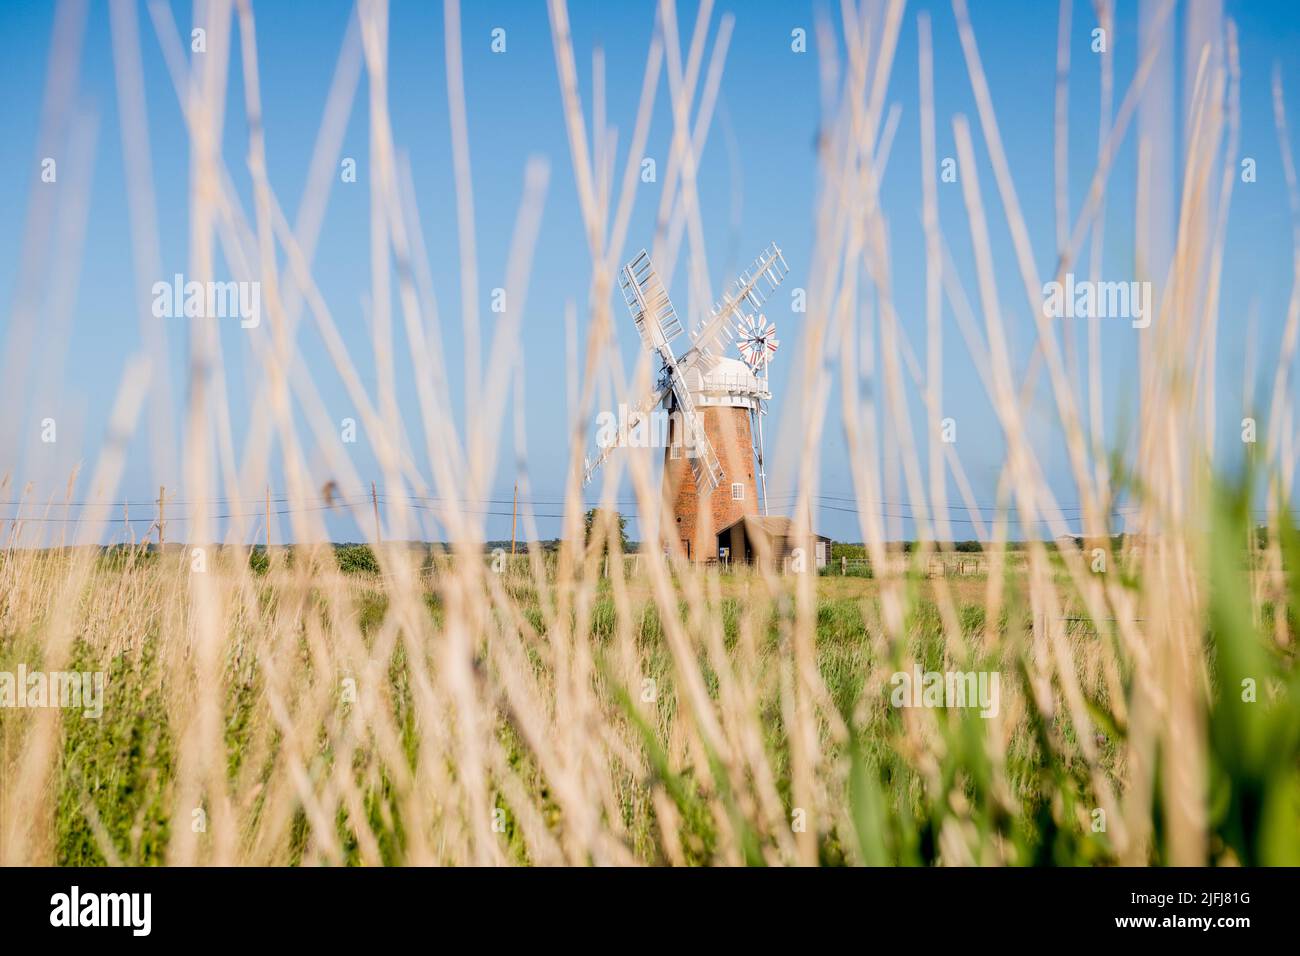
column 591, row 466
column 745, row 298
column 652, row 311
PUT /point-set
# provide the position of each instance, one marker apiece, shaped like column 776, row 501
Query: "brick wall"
column 728, row 430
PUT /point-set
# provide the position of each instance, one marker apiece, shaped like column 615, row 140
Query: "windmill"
column 699, row 388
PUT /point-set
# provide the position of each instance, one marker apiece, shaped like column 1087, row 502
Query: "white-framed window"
column 675, row 450
column 737, row 491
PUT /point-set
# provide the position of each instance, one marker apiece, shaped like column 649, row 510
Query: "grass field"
column 341, row 741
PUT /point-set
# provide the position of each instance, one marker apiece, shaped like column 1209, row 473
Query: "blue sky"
column 757, row 183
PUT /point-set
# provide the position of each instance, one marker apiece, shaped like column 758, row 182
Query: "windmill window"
column 737, row 491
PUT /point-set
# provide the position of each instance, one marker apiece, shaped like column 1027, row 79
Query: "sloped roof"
column 773, row 526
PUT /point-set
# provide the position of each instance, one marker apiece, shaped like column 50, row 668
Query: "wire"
column 524, row 504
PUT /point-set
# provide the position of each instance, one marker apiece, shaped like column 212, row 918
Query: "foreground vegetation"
column 340, row 740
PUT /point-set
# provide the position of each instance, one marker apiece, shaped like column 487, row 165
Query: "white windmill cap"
column 728, row 382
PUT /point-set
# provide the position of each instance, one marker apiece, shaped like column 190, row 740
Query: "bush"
column 356, row 559
column 842, row 549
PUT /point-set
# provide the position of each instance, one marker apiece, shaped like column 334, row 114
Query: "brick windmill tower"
column 728, row 397
column 714, row 404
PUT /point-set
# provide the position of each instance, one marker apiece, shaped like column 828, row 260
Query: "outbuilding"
column 754, row 537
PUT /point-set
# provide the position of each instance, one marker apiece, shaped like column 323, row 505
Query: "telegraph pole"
column 374, row 500
column 514, row 515
column 268, row 522
column 162, row 517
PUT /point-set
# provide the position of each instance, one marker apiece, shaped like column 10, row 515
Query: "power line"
column 433, row 503
column 120, row 519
